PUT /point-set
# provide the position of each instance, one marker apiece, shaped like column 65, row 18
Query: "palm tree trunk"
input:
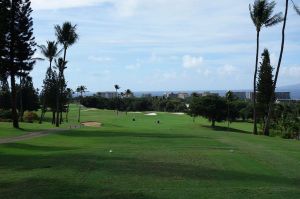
column 13, row 101
column 42, row 112
column 79, row 110
column 57, row 101
column 21, row 111
column 255, row 85
column 117, row 102
column 53, row 117
column 271, row 104
column 61, row 119
column 67, row 113
column 227, row 114
column 213, row 123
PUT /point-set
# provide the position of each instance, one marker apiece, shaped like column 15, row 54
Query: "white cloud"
column 169, row 75
column 227, row 70
column 59, row 4
column 293, row 71
column 135, row 66
column 126, row 8
column 99, row 59
column 190, row 62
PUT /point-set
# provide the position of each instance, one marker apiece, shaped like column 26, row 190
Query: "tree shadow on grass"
column 101, row 133
column 46, row 188
column 119, row 166
column 226, row 129
column 23, row 146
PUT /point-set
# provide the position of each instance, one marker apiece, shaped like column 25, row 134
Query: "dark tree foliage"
column 264, row 87
column 5, row 100
column 19, row 47
column 49, row 93
column 30, row 97
column 136, row 104
column 286, row 120
column 4, row 25
column 212, row 107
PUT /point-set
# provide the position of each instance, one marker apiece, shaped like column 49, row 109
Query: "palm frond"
column 296, row 8
column 277, row 18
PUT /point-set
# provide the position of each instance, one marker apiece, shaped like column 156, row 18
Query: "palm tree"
column 229, row 99
column 261, row 13
column 66, row 36
column 128, row 93
column 80, row 90
column 50, row 51
column 61, row 66
column 117, row 87
column 69, row 93
column 267, row 125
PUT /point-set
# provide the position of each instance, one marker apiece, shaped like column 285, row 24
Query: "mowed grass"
column 176, row 159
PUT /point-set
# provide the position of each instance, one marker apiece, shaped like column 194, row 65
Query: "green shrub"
column 30, row 117
column 5, row 114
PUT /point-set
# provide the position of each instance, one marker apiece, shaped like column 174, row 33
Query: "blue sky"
column 148, row 45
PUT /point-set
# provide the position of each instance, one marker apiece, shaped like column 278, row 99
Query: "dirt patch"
column 30, row 136
column 91, row 124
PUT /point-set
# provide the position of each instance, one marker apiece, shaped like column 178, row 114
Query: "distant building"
column 209, row 94
column 108, row 95
column 283, row 95
column 182, row 95
column 171, row 95
column 240, row 95
column 279, row 95
column 146, row 95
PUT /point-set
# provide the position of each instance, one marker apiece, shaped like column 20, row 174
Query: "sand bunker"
column 134, row 112
column 178, row 113
column 90, row 109
column 151, row 114
column 91, row 124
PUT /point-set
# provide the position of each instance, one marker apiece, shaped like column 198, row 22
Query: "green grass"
column 177, row 159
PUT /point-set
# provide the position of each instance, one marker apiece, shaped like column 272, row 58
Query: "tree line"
column 17, row 49
column 261, row 13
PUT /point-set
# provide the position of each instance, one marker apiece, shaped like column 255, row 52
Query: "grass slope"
column 177, row 159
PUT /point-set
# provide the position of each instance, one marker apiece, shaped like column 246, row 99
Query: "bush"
column 30, row 117
column 5, row 115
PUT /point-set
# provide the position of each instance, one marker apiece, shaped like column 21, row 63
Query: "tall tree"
column 28, row 99
column 5, row 101
column 211, row 107
column 21, row 47
column 80, row 90
column 229, row 99
column 61, row 66
column 49, row 93
column 67, row 36
column 69, row 96
column 264, row 88
column 4, row 29
column 128, row 93
column 49, row 51
column 261, row 13
column 280, row 59
column 117, row 87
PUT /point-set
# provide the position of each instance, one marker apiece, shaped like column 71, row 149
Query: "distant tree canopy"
column 136, row 104
column 212, row 107
column 17, row 45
